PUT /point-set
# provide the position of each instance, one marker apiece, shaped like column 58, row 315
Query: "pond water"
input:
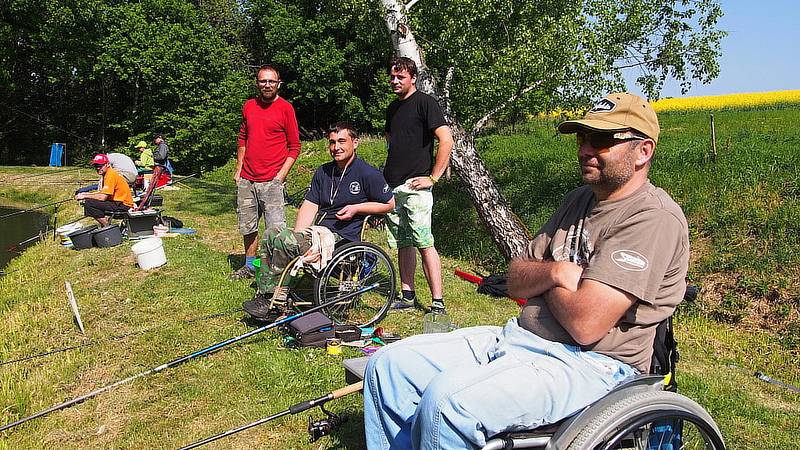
column 17, row 229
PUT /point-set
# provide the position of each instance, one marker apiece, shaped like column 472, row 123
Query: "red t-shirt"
column 270, row 134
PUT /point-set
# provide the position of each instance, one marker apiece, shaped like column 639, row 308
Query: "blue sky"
column 761, row 52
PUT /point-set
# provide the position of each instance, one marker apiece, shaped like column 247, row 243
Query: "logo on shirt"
column 385, row 188
column 355, row 187
column 604, row 105
column 575, row 249
column 629, row 260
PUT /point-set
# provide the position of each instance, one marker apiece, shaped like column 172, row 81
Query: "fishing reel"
column 324, row 427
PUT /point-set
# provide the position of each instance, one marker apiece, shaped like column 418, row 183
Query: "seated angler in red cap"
column 113, row 194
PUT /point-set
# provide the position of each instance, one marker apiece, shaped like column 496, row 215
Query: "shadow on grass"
column 207, row 198
column 533, row 186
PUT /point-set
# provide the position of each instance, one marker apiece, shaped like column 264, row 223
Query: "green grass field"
column 742, row 208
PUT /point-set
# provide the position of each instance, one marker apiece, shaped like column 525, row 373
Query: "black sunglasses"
column 600, row 139
column 98, row 166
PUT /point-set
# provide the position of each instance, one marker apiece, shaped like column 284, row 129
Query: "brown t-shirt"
column 639, row 244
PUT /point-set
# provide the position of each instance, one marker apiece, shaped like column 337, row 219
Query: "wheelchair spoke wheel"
column 655, row 420
column 354, row 266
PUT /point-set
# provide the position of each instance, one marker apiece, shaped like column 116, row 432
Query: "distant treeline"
column 104, row 74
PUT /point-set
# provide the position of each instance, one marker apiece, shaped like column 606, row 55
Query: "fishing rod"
column 114, row 338
column 316, row 429
column 182, row 359
column 766, row 378
column 35, row 208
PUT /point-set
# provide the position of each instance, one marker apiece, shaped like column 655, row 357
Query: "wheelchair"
column 354, row 265
column 642, row 413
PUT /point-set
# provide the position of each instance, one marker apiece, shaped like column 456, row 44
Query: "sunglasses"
column 98, row 166
column 600, row 140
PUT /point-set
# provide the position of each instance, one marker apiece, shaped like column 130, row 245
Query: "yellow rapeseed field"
column 729, row 101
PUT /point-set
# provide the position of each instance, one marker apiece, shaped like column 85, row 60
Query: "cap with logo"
column 620, row 111
column 99, row 159
column 141, row 144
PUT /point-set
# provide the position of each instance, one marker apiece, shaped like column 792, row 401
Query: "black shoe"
column 259, row 308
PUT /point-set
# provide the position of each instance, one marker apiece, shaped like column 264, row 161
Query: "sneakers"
column 401, row 303
column 437, row 307
column 259, row 308
column 242, row 273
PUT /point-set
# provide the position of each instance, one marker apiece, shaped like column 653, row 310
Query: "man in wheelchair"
column 342, row 194
column 600, row 275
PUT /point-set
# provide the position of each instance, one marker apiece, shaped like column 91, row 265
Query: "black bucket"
column 82, row 238
column 107, row 236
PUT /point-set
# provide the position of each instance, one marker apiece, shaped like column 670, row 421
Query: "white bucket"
column 149, row 253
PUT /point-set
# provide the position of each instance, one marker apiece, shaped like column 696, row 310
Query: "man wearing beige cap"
column 600, row 275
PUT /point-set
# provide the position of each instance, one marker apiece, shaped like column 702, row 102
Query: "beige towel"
column 322, row 244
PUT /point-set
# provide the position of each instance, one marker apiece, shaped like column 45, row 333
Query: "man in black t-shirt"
column 413, row 120
column 342, row 193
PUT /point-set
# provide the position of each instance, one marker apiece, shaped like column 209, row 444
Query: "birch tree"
column 481, row 57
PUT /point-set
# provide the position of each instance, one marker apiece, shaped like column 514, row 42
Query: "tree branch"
column 482, row 122
column 410, row 4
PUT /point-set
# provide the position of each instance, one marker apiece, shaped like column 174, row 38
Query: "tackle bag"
column 311, row 330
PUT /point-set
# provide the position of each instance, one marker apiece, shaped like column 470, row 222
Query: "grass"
column 743, row 214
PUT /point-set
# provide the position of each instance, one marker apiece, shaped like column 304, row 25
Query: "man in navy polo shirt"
column 342, row 193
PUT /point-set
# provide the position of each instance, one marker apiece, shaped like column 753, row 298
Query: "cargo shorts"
column 255, row 199
column 409, row 224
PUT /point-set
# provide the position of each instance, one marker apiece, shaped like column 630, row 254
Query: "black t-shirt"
column 410, row 124
column 331, row 192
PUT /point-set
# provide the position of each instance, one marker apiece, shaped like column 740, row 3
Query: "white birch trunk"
column 506, row 229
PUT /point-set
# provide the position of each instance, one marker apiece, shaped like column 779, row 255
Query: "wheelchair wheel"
column 354, row 266
column 654, row 420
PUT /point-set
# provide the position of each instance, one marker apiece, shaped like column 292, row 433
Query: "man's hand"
column 417, row 183
column 532, row 277
column 347, row 213
column 568, row 275
column 79, row 196
column 237, row 175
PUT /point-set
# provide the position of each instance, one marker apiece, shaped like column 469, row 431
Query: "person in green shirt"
column 145, row 160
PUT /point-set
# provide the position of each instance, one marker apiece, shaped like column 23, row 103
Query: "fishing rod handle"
column 341, row 392
column 349, row 389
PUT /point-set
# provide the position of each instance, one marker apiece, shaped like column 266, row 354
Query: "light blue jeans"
column 455, row 390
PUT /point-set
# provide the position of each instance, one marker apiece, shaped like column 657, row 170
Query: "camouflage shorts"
column 409, row 225
column 255, row 199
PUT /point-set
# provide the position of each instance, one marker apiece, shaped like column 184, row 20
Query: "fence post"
column 713, row 140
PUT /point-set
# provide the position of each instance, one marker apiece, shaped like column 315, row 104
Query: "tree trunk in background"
column 506, row 229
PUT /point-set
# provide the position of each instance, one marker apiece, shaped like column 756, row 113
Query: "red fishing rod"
column 479, row 280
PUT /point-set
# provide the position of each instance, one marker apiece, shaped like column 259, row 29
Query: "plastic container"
column 149, row 253
column 257, row 265
column 436, row 322
column 82, row 239
column 108, row 236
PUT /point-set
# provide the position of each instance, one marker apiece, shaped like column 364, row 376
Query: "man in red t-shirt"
column 269, row 143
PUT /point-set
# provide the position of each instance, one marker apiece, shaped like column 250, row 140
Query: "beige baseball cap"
column 620, row 111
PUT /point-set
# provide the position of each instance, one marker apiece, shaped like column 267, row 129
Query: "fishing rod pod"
column 182, row 359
